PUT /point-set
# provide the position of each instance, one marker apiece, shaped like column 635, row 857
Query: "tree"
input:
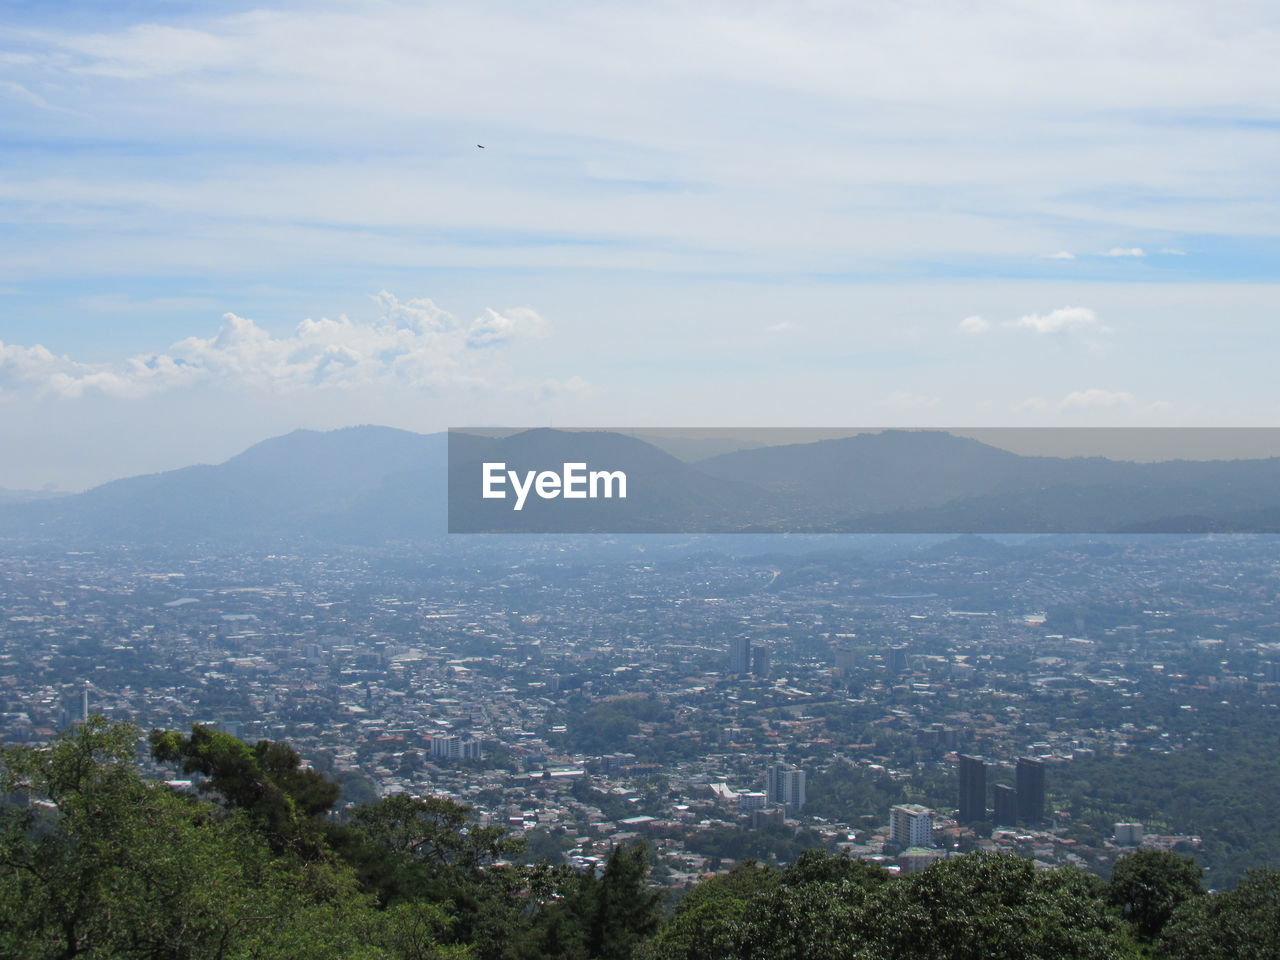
column 624, row 911
column 1244, row 922
column 266, row 780
column 96, row 862
column 983, row 905
column 817, row 866
column 708, row 930
column 433, row 829
column 744, row 882
column 1149, row 885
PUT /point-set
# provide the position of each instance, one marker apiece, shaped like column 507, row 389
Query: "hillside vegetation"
column 97, row 861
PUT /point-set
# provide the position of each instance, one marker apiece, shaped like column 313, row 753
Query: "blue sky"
column 684, row 214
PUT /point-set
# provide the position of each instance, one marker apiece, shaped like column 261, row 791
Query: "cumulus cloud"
column 414, row 344
column 1125, row 252
column 1062, row 320
column 1060, row 255
column 974, row 325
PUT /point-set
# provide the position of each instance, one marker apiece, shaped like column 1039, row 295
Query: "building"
column 759, row 662
column 1128, row 834
column 973, row 790
column 897, row 660
column 455, row 748
column 614, row 763
column 785, row 785
column 752, row 800
column 1030, row 780
column 740, row 655
column 915, row 859
column 911, row 825
column 771, row 817
column 1005, row 804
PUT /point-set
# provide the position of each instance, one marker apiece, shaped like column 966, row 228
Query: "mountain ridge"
column 373, row 485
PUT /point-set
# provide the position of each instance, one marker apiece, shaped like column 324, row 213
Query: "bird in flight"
column 480, row 145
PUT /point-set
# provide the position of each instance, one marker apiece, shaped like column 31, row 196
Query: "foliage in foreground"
column 97, row 862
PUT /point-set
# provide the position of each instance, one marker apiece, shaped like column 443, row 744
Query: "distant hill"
column 929, row 481
column 374, row 485
column 360, row 484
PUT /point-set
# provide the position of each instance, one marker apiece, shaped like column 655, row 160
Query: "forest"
column 99, row 860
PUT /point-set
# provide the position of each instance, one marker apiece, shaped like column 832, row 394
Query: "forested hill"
column 97, row 862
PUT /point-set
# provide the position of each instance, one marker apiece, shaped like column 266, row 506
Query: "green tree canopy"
column 1149, row 885
column 1244, row 922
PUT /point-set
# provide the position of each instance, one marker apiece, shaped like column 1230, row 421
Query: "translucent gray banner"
column 864, row 480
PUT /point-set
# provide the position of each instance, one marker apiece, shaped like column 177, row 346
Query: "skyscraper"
column 911, row 825
column 973, row 790
column 1006, row 805
column 1030, row 779
column 785, row 785
column 759, row 662
column 740, row 655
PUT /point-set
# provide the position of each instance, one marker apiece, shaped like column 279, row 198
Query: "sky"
column 222, row 222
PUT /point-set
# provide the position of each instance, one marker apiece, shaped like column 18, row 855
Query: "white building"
column 455, row 748
column 785, row 785
column 911, row 825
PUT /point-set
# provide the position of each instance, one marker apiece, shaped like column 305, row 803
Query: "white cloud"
column 1060, row 255
column 905, row 400
column 625, row 122
column 1125, row 252
column 974, row 325
column 1062, row 320
column 414, row 344
column 19, row 92
column 152, row 50
column 1095, row 397
column 785, row 326
column 1173, row 252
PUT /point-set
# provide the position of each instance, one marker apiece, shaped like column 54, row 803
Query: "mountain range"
column 374, row 485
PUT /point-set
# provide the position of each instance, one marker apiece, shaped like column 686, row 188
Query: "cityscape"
column 900, row 701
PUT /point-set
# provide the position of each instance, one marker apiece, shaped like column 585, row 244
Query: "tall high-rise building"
column 1030, row 780
column 911, row 825
column 785, row 785
column 84, row 703
column 740, row 655
column 1006, row 805
column 973, row 790
column 898, row 659
column 759, row 662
